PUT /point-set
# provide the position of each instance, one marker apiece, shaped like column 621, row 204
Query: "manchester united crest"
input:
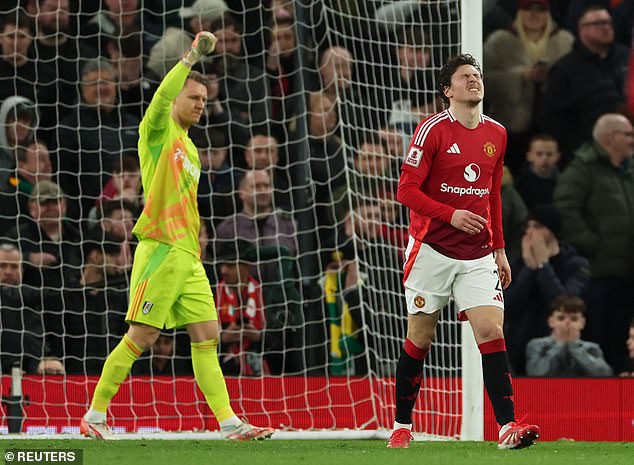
column 489, row 149
column 419, row 301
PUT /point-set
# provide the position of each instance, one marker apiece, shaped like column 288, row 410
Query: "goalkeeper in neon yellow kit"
column 169, row 287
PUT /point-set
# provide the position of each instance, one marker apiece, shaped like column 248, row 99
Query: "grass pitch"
column 281, row 452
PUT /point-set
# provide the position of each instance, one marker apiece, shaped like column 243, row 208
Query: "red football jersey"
column 454, row 167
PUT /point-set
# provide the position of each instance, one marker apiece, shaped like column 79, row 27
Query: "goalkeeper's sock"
column 210, row 379
column 114, row 372
column 409, row 372
column 497, row 379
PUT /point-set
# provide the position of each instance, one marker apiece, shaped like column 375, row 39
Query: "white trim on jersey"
column 423, row 131
column 491, row 120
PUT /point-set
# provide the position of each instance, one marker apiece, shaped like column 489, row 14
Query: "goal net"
column 311, row 105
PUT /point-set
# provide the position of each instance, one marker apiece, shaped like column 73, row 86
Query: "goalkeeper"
column 169, row 287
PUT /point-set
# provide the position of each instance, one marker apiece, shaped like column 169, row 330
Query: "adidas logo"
column 454, row 148
column 499, row 297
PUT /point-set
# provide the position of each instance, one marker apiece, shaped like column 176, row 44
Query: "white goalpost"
column 324, row 97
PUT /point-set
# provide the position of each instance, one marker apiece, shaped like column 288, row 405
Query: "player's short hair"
column 568, row 303
column 448, row 70
column 198, row 77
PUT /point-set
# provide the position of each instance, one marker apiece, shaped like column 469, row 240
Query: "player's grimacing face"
column 466, row 85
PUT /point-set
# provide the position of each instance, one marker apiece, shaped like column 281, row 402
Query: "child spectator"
column 564, row 353
column 125, row 182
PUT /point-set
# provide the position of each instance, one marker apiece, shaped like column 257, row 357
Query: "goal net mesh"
column 311, row 107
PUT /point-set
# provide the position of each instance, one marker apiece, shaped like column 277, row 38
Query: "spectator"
column 18, row 119
column 218, row 180
column 629, row 364
column 125, row 183
column 243, row 86
column 283, row 75
column 546, row 269
column 52, row 256
column 411, row 95
column 117, row 19
column 137, row 84
column 536, row 183
column 259, row 222
column 262, row 153
column 240, row 307
column 117, row 219
column 517, row 62
column 162, row 360
column 94, row 314
column 327, row 160
column 336, row 68
column 584, row 84
column 17, row 66
column 594, row 195
column 60, row 55
column 564, row 353
column 21, row 330
column 514, row 213
column 34, row 165
column 92, row 139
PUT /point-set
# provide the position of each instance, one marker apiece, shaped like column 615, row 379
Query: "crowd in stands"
column 300, row 151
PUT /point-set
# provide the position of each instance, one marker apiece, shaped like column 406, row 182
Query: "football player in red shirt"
column 450, row 181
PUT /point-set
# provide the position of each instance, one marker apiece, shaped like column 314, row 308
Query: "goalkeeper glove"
column 204, row 44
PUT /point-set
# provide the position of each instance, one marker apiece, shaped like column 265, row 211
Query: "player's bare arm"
column 504, row 269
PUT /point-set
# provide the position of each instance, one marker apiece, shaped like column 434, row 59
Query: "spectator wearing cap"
column 52, row 254
column 94, row 311
column 18, row 120
column 240, row 307
column 33, row 166
column 92, row 138
column 517, row 61
column 594, row 195
column 547, row 268
column 586, row 83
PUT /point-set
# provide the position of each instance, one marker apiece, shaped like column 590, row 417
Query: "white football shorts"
column 431, row 278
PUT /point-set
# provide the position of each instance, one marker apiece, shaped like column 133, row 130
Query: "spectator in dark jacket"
column 52, row 254
column 21, row 327
column 536, row 183
column 547, row 268
column 586, row 83
column 92, row 138
column 594, row 195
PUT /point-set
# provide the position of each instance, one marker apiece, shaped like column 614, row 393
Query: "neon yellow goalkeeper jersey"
column 170, row 170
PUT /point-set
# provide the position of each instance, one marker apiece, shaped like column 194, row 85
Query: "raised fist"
column 203, row 45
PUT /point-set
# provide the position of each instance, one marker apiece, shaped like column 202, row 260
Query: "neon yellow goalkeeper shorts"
column 168, row 288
